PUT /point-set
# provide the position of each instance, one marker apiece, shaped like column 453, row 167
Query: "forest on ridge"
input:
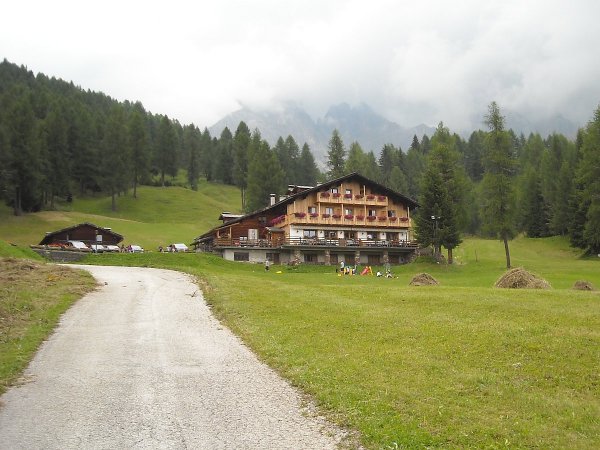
column 58, row 140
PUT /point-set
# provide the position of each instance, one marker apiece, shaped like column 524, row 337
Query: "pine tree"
column 534, row 215
column 442, row 195
column 206, row 154
column 356, row 159
column 589, row 178
column 307, row 167
column 473, row 155
column 138, row 144
column 222, row 167
column 241, row 141
column 415, row 165
column 115, row 154
column 265, row 175
column 387, row 161
column 56, row 149
column 191, row 143
column 166, row 149
column 498, row 212
column 24, row 171
column 335, row 156
column 371, row 169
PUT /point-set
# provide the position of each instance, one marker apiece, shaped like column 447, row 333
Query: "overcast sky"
column 412, row 61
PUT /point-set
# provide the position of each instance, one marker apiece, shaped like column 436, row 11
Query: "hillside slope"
column 158, row 216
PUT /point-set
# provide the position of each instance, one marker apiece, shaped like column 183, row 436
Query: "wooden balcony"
column 343, row 220
column 313, row 242
column 352, row 199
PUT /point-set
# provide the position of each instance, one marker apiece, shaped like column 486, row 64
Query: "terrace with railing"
column 321, row 242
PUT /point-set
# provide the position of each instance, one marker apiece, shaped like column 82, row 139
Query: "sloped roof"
column 320, row 187
column 48, row 236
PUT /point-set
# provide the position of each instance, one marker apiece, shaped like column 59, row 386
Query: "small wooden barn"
column 85, row 232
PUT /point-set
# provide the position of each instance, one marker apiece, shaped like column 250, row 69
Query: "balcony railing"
column 340, row 219
column 277, row 243
column 355, row 199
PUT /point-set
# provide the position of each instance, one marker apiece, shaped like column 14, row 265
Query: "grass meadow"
column 459, row 365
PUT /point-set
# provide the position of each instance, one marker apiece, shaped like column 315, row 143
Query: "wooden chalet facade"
column 86, row 232
column 351, row 219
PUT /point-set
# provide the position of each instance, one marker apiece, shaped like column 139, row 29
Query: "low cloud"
column 417, row 62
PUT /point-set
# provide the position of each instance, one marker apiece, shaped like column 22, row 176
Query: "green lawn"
column 457, row 365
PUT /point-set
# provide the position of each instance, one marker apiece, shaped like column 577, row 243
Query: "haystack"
column 519, row 278
column 582, row 285
column 423, row 279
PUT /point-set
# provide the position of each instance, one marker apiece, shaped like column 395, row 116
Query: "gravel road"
column 141, row 363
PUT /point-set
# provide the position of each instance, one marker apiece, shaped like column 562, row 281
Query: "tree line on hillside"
column 495, row 183
column 57, row 140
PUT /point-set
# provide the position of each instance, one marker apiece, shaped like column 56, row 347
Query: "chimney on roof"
column 272, row 202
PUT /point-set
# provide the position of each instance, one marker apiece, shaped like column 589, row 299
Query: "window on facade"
column 312, row 209
column 329, row 211
column 273, row 257
column 348, row 211
column 332, row 235
column 372, row 212
column 350, row 234
column 310, row 233
column 349, row 191
column 262, row 220
column 335, row 190
column 310, row 258
column 391, row 213
column 241, row 256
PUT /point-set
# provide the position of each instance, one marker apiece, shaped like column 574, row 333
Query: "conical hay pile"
column 582, row 285
column 423, row 279
column 519, row 278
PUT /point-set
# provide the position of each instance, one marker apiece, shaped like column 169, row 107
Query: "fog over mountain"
column 362, row 124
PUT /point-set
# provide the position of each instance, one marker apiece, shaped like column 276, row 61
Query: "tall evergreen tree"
column 442, row 194
column 336, row 156
column 388, row 159
column 115, row 154
column 222, row 167
column 207, row 152
column 241, row 141
column 191, row 143
column 498, row 212
column 307, row 167
column 56, row 148
column 356, row 160
column 532, row 207
column 24, row 171
column 265, row 175
column 589, row 179
column 415, row 165
column 473, row 155
column 371, row 169
column 139, row 147
column 166, row 149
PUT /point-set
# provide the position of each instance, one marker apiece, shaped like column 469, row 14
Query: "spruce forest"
column 58, row 140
